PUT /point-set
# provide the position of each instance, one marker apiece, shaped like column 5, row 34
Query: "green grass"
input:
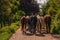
column 5, row 36
column 7, row 31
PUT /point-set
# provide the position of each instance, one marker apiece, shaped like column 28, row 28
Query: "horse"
column 47, row 20
column 27, row 19
column 40, row 24
column 43, row 23
column 23, row 24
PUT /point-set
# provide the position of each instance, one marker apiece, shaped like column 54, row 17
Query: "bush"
column 56, row 24
column 7, row 31
column 11, row 30
column 56, row 30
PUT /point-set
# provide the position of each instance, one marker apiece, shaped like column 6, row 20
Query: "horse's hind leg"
column 37, row 28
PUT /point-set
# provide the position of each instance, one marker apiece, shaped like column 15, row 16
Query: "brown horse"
column 27, row 19
column 23, row 24
column 47, row 20
column 38, row 24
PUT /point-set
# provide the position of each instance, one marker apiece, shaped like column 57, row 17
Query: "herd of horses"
column 43, row 22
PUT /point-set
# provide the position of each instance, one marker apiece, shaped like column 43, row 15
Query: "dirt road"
column 19, row 36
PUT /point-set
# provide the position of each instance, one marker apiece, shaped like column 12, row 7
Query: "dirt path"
column 19, row 36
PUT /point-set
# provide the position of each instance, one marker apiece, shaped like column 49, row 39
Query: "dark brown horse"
column 23, row 23
column 47, row 20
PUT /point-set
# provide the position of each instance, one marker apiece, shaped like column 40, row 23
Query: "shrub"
column 7, row 31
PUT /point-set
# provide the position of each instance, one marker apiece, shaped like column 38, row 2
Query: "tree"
column 9, row 11
column 29, row 6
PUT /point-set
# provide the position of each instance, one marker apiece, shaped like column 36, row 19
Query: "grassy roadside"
column 7, row 31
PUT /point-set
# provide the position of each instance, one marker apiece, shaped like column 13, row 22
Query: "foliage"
column 9, row 12
column 29, row 6
column 7, row 31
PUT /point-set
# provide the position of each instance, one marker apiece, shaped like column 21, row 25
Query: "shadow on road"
column 56, row 36
column 40, row 35
column 28, row 34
